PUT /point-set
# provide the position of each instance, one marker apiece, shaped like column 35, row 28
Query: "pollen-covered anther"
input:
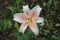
column 29, row 19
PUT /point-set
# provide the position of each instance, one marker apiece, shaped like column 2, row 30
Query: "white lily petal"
column 39, row 20
column 34, row 28
column 23, row 27
column 35, row 12
column 19, row 17
column 26, row 9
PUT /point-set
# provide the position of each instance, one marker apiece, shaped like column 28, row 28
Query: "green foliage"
column 12, row 9
column 49, row 3
column 16, row 25
column 5, row 24
column 19, row 35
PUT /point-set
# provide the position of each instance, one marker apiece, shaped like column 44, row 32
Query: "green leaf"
column 12, row 9
column 9, row 23
column 15, row 32
column 25, row 37
column 16, row 25
column 18, row 1
column 49, row 3
column 5, row 23
column 19, row 35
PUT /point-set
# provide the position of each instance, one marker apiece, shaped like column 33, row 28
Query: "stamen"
column 29, row 19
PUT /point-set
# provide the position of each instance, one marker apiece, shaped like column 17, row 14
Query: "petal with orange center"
column 39, row 20
column 35, row 12
column 26, row 10
column 20, row 17
column 23, row 27
column 34, row 28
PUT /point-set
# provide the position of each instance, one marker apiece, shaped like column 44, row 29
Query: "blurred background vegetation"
column 50, row 12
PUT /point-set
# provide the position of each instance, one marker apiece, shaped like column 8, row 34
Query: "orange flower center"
column 29, row 19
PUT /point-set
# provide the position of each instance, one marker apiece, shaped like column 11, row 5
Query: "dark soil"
column 5, row 35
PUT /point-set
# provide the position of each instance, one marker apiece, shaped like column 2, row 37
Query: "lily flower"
column 29, row 18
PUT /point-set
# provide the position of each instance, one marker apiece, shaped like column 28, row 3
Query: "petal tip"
column 21, row 31
column 14, row 19
column 36, row 33
column 25, row 6
column 39, row 8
